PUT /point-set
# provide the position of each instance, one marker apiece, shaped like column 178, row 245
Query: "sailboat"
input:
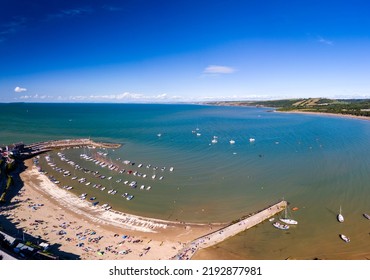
column 286, row 219
column 344, row 238
column 340, row 216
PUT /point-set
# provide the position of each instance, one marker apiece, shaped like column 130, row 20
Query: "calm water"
column 317, row 163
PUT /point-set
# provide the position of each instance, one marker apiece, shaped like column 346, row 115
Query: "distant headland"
column 348, row 107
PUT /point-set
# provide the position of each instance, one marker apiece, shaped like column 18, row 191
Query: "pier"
column 231, row 230
column 27, row 151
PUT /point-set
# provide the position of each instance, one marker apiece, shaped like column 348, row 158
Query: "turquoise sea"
column 317, row 163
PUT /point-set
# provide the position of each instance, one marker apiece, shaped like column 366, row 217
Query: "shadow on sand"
column 10, row 226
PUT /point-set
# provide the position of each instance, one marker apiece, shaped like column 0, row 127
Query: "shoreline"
column 68, row 221
column 347, row 116
column 274, row 109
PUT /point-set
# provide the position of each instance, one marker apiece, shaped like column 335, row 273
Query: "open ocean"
column 317, row 163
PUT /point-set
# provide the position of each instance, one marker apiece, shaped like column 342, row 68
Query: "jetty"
column 28, row 151
column 230, row 230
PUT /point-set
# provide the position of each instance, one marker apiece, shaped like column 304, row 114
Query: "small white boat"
column 280, row 226
column 198, row 134
column 367, row 216
column 340, row 216
column 232, row 141
column 287, row 220
column 214, row 141
column 171, row 168
column 252, row 139
column 142, row 187
column 344, row 238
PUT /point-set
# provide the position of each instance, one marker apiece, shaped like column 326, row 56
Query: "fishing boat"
column 344, row 238
column 367, row 216
column 280, row 226
column 340, row 216
column 286, row 219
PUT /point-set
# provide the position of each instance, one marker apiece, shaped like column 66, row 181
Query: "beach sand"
column 87, row 232
column 347, row 116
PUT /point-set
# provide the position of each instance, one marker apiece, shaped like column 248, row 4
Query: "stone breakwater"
column 27, row 151
column 222, row 234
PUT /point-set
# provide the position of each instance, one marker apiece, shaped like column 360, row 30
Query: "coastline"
column 59, row 217
column 325, row 114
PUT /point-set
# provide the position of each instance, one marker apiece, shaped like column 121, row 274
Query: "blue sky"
column 183, row 50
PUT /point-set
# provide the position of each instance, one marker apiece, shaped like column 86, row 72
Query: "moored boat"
column 287, row 220
column 340, row 216
column 344, row 238
column 280, row 226
column 367, row 216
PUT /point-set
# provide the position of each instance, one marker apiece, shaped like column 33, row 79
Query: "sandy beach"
column 87, row 232
column 326, row 114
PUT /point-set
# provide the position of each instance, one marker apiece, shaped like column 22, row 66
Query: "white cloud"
column 20, row 89
column 218, row 69
column 325, row 41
